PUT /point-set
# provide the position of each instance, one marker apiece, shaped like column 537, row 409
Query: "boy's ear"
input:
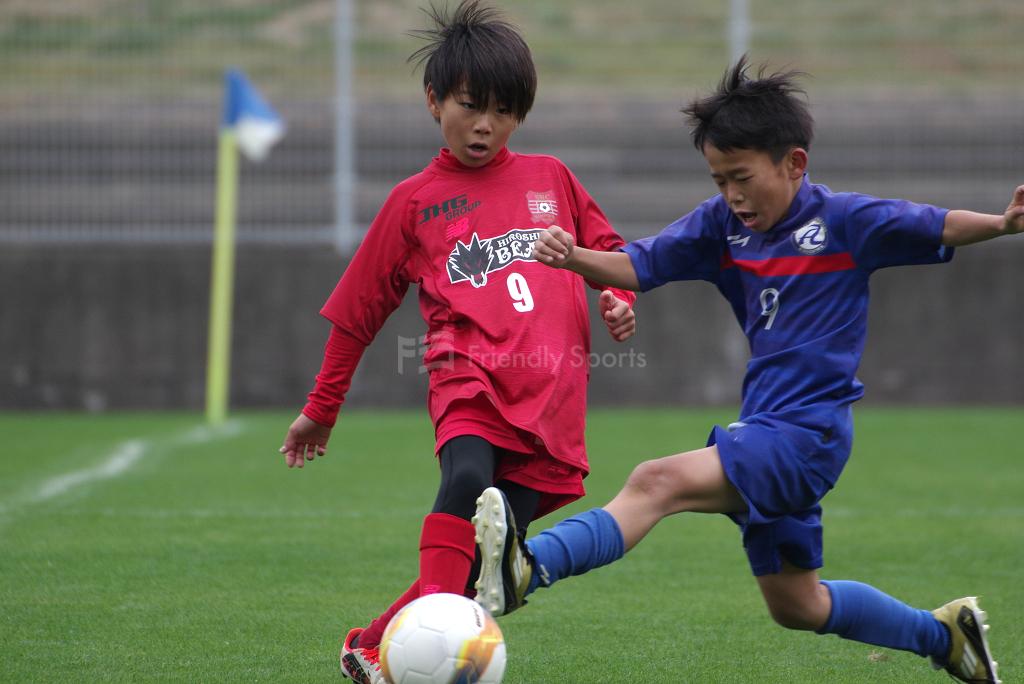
column 433, row 106
column 797, row 162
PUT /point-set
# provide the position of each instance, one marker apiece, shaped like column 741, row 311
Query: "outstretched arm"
column 967, row 227
column 557, row 249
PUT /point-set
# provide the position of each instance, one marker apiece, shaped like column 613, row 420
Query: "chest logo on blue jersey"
column 473, row 260
column 812, row 237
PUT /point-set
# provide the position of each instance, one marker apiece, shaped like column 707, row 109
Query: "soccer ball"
column 442, row 639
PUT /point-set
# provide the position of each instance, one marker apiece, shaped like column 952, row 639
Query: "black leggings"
column 467, row 468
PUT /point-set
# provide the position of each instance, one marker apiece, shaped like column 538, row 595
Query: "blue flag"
column 256, row 125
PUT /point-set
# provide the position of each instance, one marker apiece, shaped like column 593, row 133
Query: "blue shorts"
column 783, row 464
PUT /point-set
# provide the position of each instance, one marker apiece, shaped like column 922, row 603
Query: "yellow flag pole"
column 222, row 279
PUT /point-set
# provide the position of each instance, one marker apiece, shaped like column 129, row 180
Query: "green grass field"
column 148, row 548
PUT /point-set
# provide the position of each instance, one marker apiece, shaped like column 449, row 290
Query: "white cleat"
column 505, row 567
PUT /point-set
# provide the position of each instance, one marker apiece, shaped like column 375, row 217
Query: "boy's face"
column 473, row 135
column 757, row 189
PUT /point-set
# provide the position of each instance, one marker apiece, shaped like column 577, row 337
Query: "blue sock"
column 575, row 546
column 863, row 613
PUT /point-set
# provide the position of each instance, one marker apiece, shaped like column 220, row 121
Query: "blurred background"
column 109, row 115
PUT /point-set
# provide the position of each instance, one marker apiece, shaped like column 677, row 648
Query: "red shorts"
column 524, row 460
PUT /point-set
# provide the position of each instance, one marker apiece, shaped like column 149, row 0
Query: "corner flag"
column 249, row 123
column 256, row 125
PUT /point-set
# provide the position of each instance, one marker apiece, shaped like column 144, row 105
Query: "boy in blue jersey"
column 793, row 259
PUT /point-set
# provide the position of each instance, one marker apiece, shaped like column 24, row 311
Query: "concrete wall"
column 125, row 328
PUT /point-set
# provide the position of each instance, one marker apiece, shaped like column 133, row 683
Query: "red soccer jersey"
column 499, row 324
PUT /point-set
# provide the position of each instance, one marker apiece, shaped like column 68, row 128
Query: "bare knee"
column 656, row 483
column 691, row 481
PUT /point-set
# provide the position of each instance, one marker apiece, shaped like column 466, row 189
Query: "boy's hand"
column 554, row 247
column 306, row 439
column 617, row 315
column 1013, row 219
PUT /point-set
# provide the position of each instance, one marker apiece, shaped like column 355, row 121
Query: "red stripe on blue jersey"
column 793, row 265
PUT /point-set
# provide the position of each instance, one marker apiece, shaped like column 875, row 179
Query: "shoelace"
column 372, row 656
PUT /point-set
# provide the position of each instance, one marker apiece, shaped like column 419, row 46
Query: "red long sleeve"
column 371, row 288
column 341, row 356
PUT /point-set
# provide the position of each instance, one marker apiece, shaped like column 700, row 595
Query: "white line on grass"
column 124, row 457
column 120, row 460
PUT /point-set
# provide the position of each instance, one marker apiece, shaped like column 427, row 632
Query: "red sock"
column 370, row 638
column 447, row 548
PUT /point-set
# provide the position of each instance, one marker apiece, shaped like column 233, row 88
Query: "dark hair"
column 476, row 49
column 752, row 114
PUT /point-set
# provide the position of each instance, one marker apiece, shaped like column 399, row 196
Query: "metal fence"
column 109, row 108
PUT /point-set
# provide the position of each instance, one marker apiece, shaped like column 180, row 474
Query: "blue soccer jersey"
column 800, row 293
column 799, row 290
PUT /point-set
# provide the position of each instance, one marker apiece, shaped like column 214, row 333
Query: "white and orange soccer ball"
column 442, row 639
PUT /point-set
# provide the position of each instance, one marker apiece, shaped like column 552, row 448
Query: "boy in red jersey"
column 508, row 338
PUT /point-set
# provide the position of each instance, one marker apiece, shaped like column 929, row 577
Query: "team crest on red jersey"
column 473, row 260
column 543, row 206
